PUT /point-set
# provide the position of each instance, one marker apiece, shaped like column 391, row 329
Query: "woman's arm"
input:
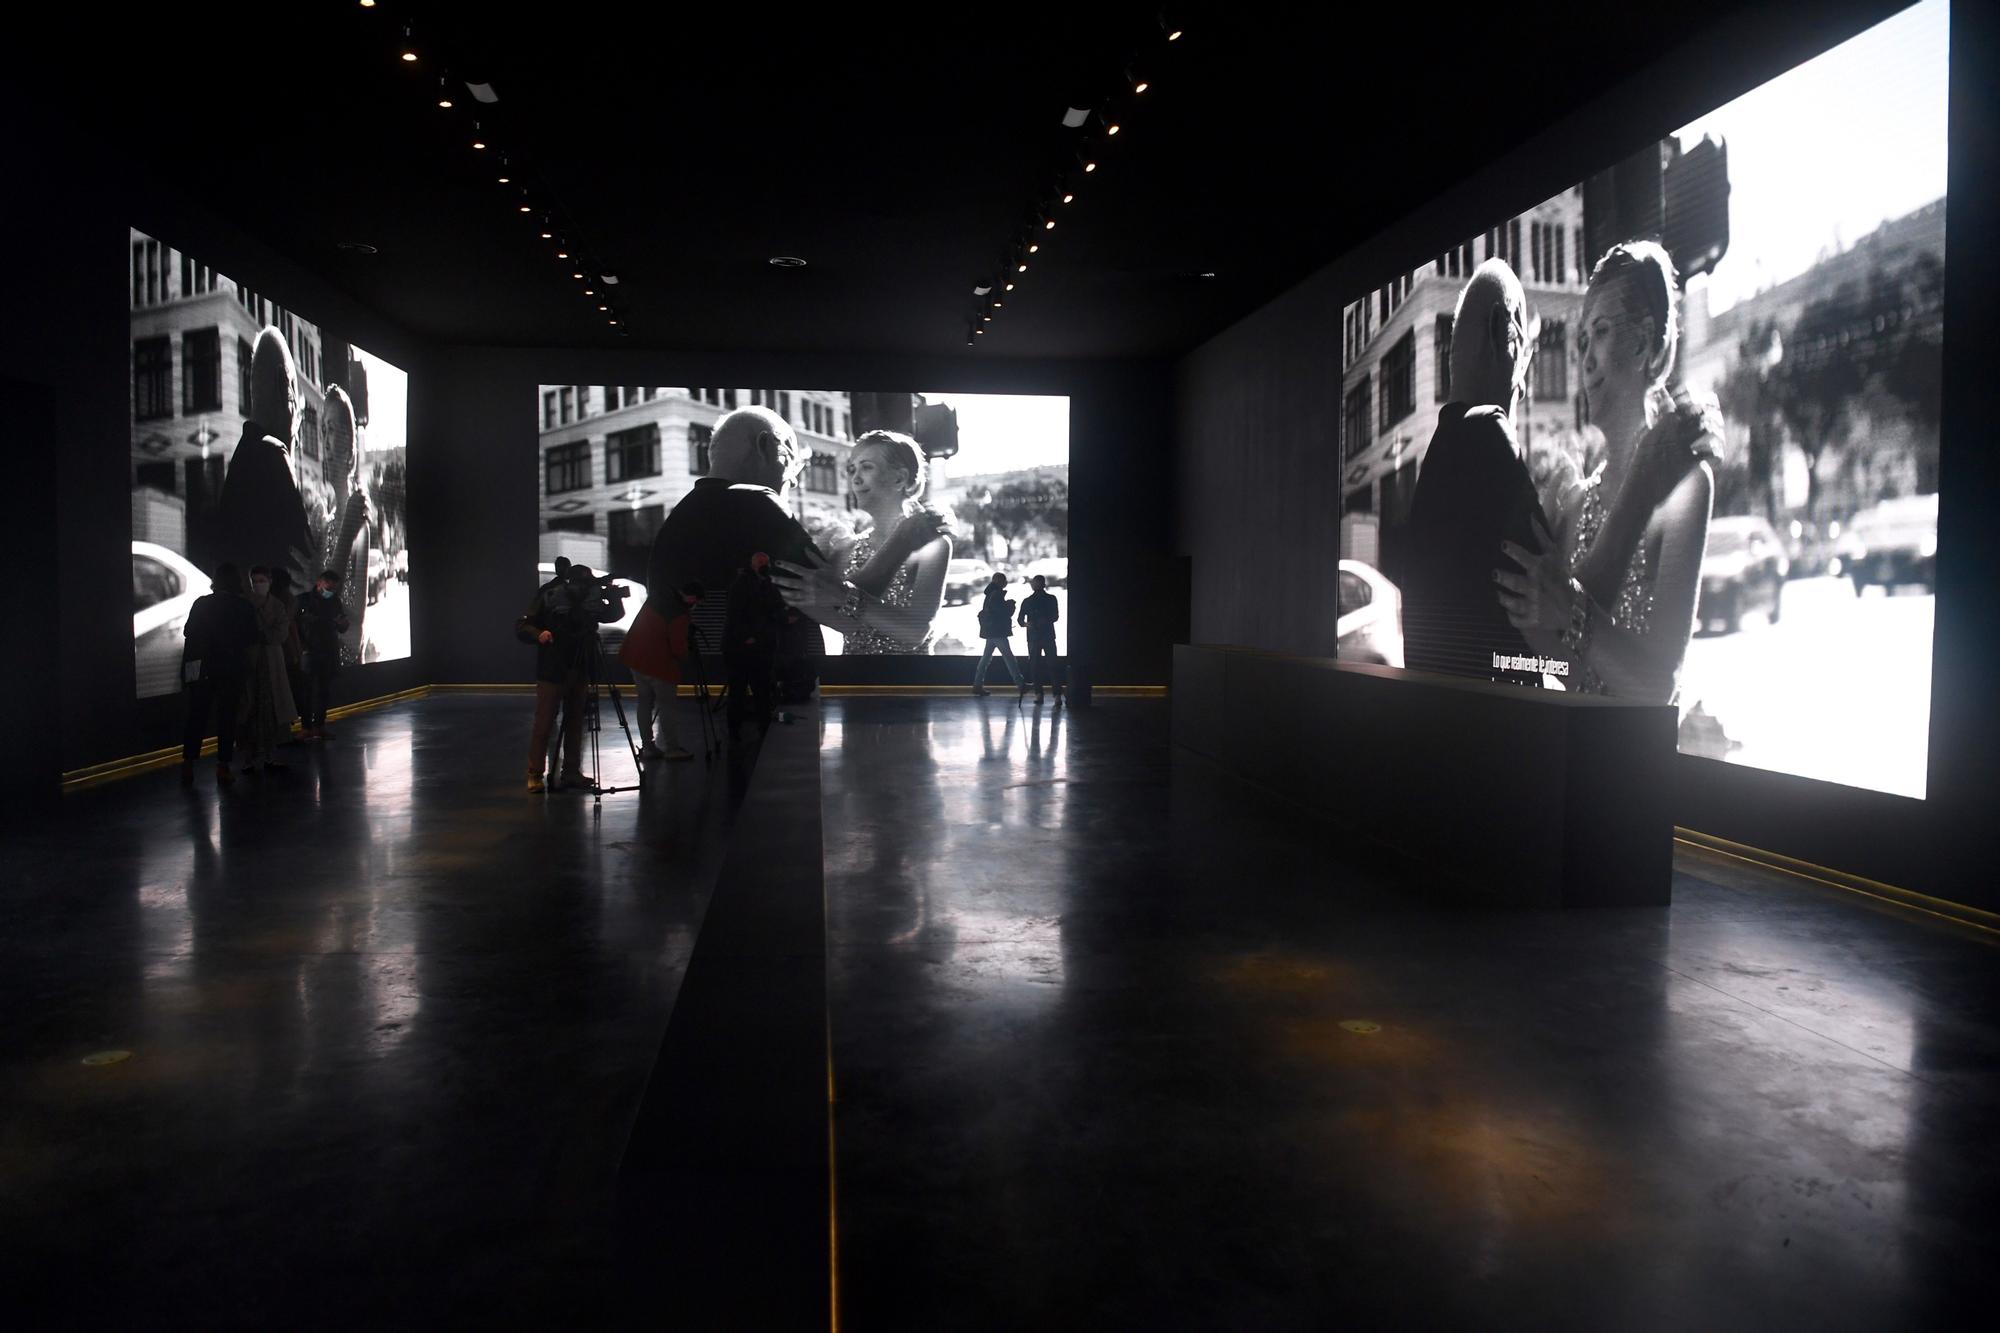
column 911, row 535
column 1646, row 666
column 909, row 624
column 1539, row 602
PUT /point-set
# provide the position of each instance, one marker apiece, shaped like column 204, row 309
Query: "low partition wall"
column 725, row 1189
column 1510, row 796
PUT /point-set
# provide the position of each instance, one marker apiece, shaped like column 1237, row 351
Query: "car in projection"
column 611, row 635
column 165, row 584
column 1054, row 569
column 1370, row 628
column 965, row 579
column 1893, row 543
column 1743, row 569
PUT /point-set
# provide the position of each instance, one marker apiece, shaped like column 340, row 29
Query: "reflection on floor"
column 1118, row 1044
column 1123, row 1044
column 389, row 1018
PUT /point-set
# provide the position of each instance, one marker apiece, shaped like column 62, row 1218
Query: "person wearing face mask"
column 322, row 618
column 265, row 721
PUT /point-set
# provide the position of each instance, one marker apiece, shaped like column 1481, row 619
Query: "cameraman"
column 562, row 622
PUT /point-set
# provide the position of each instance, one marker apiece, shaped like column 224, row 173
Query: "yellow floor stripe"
column 1959, row 914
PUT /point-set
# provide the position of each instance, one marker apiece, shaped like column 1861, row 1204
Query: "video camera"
column 580, row 594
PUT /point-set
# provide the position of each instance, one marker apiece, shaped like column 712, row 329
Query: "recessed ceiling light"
column 1089, row 167
column 998, row 304
column 787, row 261
column 1022, row 269
column 614, row 321
column 1034, row 247
column 590, row 291
column 604, row 307
column 368, row 4
column 526, row 209
column 1010, row 286
column 1069, row 198
column 1050, row 225
column 576, row 275
column 562, row 254
column 445, row 102
column 410, row 56
column 987, row 318
column 1111, row 129
column 478, row 143
column 504, row 180
column 1141, row 86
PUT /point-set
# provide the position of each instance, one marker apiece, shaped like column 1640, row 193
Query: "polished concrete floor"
column 1118, row 1043
column 1122, row 1044
column 389, row 1018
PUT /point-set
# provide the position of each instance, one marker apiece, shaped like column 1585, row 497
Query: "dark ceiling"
column 682, row 149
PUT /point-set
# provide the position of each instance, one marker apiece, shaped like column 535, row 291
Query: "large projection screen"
column 992, row 471
column 224, row 380
column 1784, row 604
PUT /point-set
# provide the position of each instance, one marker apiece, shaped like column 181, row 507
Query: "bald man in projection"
column 733, row 513
column 261, row 519
column 1472, row 492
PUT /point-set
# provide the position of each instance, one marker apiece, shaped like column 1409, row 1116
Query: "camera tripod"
column 593, row 667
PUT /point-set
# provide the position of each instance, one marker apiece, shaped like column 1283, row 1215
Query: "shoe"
column 1060, row 698
column 674, row 754
column 187, row 774
column 575, row 782
column 649, row 752
column 535, row 782
column 1038, row 698
column 223, row 777
column 980, row 691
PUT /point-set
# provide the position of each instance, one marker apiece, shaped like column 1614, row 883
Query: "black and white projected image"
column 1793, row 242
column 258, row 438
column 987, row 480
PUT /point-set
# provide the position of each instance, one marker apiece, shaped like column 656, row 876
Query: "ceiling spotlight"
column 590, row 291
column 478, row 143
column 1089, row 166
column 1069, row 197
column 1010, row 286
column 562, row 254
column 987, row 318
column 506, row 180
column 979, row 330
column 1141, row 86
column 1049, row 225
column 1170, row 28
column 368, row 4
column 1111, row 129
column 1034, row 247
column 445, row 102
column 1020, row 269
column 604, row 307
column 614, row 321
column 410, row 56
column 576, row 275
column 526, row 209
column 998, row 304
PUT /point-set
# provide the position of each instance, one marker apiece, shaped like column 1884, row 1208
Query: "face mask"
column 326, row 594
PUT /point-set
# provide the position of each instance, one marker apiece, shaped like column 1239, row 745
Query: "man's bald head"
column 1488, row 337
column 755, row 445
column 274, row 392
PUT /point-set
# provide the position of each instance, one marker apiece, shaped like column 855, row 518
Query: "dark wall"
column 1256, row 420
column 1127, row 609
column 67, row 335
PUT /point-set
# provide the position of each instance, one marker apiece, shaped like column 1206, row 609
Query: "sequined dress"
column 902, row 591
column 1632, row 609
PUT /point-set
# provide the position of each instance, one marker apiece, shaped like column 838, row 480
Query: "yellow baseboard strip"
column 111, row 770
column 1960, row 914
